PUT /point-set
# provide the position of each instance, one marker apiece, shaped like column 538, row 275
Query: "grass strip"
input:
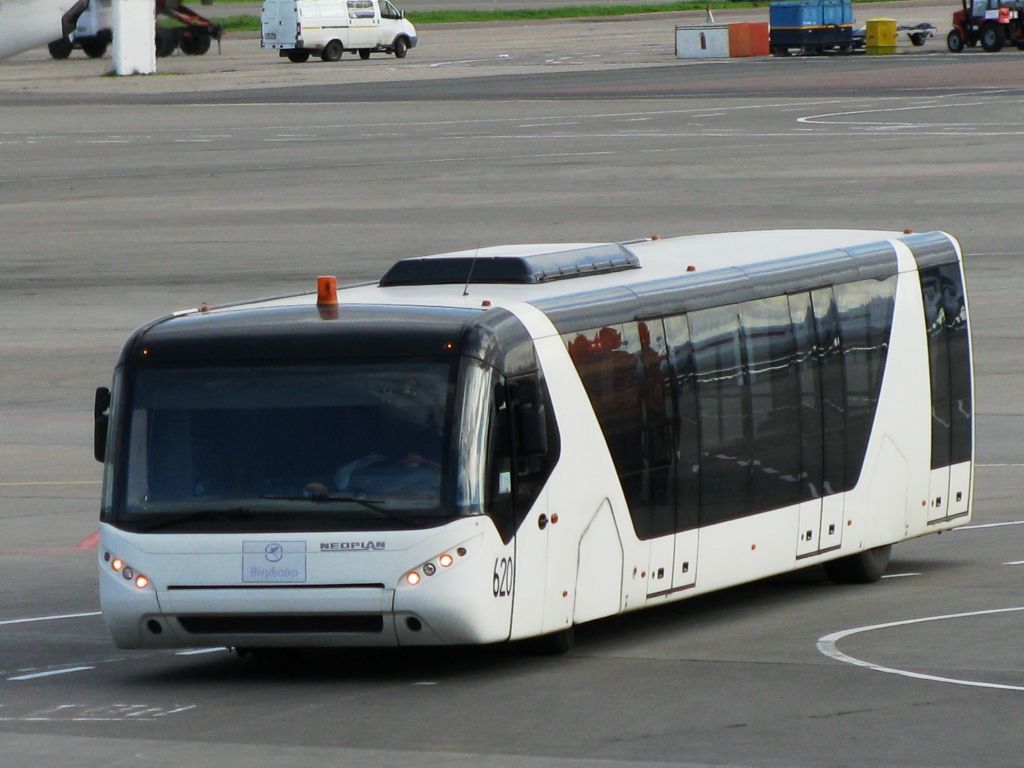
column 250, row 23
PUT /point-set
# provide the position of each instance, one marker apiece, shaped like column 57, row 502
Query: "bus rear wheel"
column 553, row 644
column 862, row 568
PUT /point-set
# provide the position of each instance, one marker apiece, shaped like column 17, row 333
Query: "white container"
column 702, row 41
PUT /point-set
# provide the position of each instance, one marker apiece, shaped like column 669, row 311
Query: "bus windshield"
column 315, row 447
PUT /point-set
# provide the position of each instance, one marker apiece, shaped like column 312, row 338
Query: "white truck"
column 327, row 28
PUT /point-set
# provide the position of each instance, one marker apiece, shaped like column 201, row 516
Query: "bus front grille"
column 282, row 624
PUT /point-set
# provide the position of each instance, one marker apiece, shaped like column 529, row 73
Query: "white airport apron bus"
column 500, row 444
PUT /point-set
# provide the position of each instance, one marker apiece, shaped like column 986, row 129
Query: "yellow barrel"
column 881, row 36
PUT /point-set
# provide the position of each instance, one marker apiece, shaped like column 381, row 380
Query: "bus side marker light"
column 413, row 578
column 461, row 551
column 141, row 581
column 128, row 573
column 446, row 560
column 429, row 569
column 117, row 564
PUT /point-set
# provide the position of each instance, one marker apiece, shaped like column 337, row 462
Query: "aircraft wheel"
column 195, row 44
column 94, row 49
column 60, row 49
column 166, row 41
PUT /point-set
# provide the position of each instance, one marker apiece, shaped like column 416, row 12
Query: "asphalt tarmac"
column 123, row 200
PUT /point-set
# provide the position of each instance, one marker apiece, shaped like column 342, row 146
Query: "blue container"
column 795, row 14
column 810, row 13
column 813, row 26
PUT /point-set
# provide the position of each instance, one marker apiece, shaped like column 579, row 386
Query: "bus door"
column 832, row 514
column 809, row 532
column 535, row 524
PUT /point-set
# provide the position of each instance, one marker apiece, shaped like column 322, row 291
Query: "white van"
column 298, row 28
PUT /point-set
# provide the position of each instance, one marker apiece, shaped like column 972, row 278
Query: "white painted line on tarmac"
column 999, row 465
column 1015, row 562
column 7, row 622
column 198, row 651
column 899, row 575
column 51, row 673
column 827, row 646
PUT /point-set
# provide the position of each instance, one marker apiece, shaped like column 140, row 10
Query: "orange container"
column 748, row 38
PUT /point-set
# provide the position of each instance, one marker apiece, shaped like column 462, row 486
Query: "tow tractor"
column 993, row 23
column 92, row 31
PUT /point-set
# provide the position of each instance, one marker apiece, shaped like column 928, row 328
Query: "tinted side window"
column 812, row 447
column 605, row 359
column 774, row 400
column 935, row 327
column 833, row 390
column 651, row 497
column 945, row 314
column 865, row 320
column 725, row 454
column 687, row 428
column 624, row 369
column 961, row 439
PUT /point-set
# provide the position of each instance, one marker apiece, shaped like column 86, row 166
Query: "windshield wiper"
column 171, row 519
column 323, row 498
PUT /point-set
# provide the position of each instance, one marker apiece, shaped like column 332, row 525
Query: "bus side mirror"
column 101, row 406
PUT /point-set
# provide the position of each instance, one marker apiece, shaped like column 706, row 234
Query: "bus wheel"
column 863, row 568
column 298, row 57
column 60, row 49
column 553, row 644
column 332, row 51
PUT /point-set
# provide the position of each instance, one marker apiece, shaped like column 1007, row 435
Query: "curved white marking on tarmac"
column 827, row 646
column 33, row 619
column 826, row 118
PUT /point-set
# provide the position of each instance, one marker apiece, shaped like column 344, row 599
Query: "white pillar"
column 134, row 24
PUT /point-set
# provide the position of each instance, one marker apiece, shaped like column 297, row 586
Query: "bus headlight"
column 117, row 565
column 444, row 560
